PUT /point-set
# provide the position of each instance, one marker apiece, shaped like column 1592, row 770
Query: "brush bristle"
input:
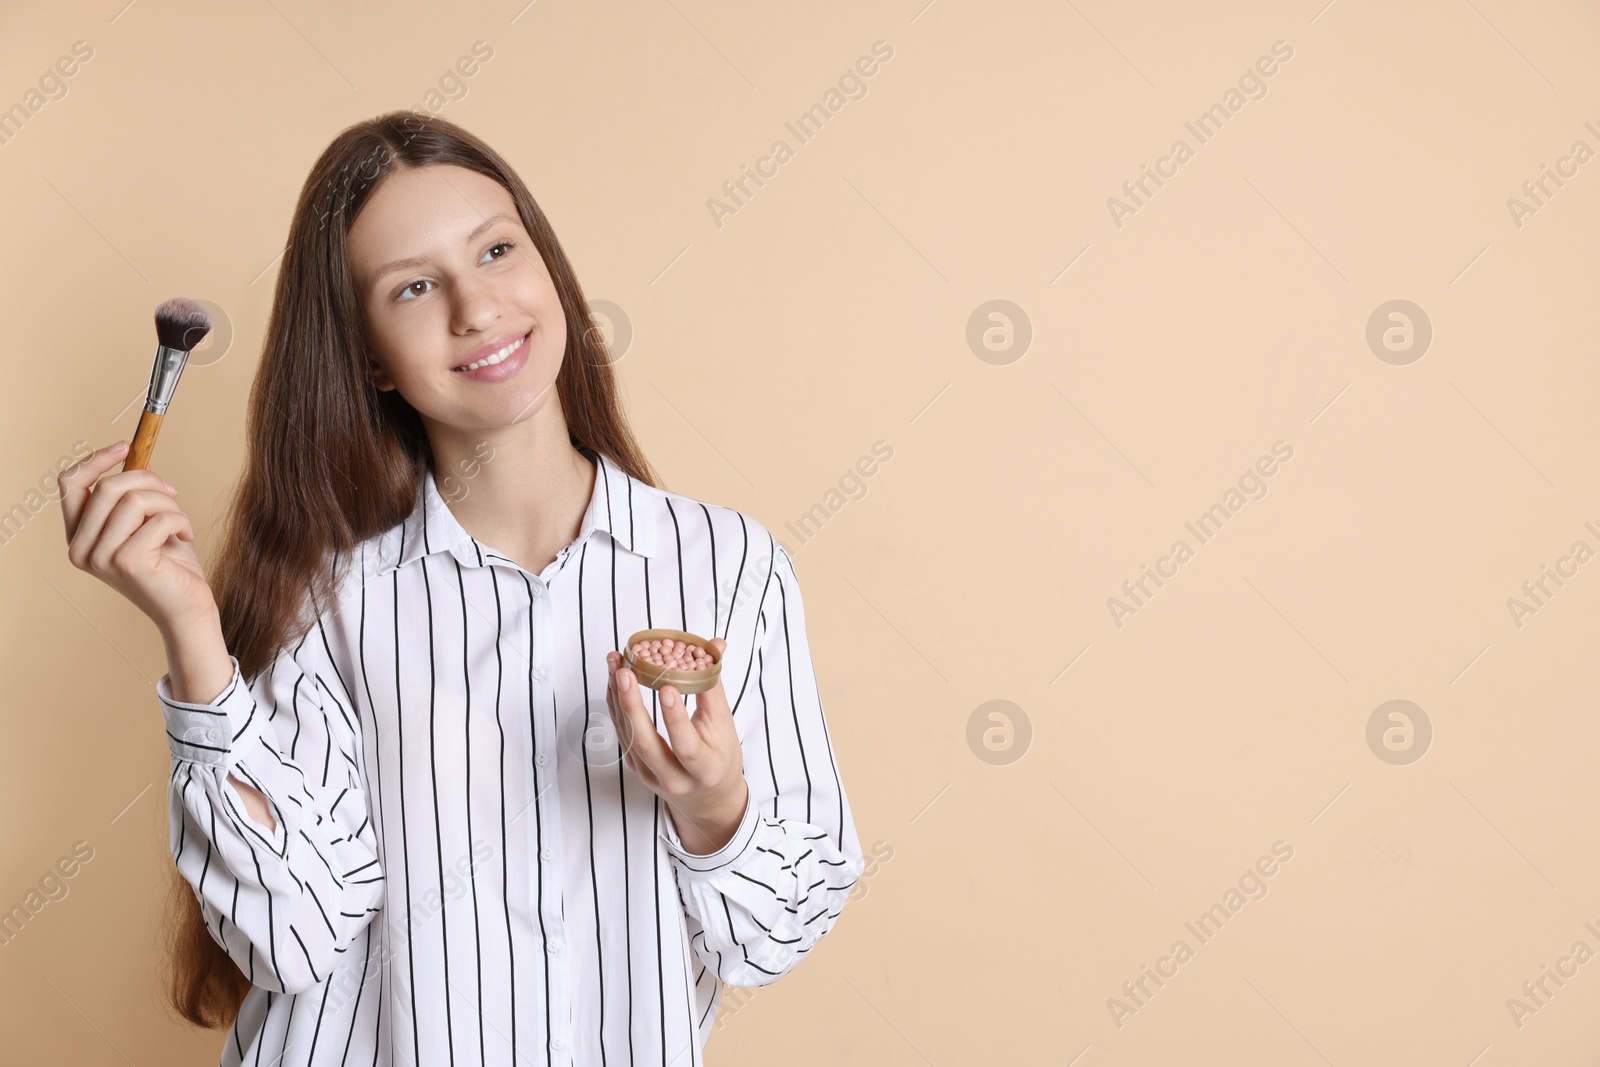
column 182, row 323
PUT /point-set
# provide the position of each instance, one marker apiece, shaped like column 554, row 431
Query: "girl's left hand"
column 701, row 773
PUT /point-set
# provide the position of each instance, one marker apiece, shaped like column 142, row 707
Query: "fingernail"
column 624, row 681
column 170, row 487
column 119, row 446
column 668, row 697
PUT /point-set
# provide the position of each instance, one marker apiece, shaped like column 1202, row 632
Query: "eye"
column 507, row 245
column 409, row 290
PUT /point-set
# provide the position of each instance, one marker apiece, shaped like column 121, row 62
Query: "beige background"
column 832, row 311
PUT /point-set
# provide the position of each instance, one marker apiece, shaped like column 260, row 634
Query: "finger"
column 687, row 744
column 611, row 682
column 154, row 533
column 712, row 719
column 619, row 720
column 103, row 498
column 120, row 543
column 716, row 696
column 132, row 510
column 647, row 745
column 711, row 712
column 613, row 693
column 74, row 482
column 650, row 750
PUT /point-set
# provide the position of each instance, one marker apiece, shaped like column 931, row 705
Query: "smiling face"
column 446, row 276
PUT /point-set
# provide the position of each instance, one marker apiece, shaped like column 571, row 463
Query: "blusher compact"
column 669, row 657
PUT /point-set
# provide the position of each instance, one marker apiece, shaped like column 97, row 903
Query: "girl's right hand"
column 128, row 530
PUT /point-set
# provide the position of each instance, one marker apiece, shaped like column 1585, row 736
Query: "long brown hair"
column 331, row 460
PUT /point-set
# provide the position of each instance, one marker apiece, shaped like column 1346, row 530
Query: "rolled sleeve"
column 738, row 848
column 209, row 733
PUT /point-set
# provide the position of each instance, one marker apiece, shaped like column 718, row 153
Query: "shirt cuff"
column 207, row 733
column 742, row 841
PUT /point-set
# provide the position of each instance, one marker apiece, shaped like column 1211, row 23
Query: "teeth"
column 498, row 357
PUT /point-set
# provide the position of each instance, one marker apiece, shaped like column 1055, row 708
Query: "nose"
column 475, row 304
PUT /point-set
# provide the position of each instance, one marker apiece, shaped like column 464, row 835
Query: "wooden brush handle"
column 144, row 441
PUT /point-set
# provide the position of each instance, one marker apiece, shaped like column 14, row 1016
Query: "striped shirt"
column 463, row 869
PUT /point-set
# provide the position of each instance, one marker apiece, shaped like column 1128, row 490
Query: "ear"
column 379, row 377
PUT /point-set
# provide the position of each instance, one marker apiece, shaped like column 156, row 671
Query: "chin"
column 530, row 400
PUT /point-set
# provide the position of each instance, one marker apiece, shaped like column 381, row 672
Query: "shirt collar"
column 623, row 507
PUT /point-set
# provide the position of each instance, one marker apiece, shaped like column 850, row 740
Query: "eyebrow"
column 417, row 261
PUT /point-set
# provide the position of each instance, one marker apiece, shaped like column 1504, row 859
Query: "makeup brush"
column 181, row 324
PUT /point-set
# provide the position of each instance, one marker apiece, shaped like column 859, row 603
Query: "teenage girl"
column 421, row 813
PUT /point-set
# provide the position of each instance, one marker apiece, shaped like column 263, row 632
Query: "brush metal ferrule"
column 164, row 376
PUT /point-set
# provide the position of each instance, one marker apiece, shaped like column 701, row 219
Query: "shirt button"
column 547, row 855
column 557, row 1044
column 212, row 735
column 541, row 759
column 555, row 946
column 538, row 589
column 538, row 673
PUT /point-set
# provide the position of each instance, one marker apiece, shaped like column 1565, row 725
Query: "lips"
column 508, row 367
column 489, row 349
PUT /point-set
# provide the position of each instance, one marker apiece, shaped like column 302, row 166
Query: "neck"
column 520, row 489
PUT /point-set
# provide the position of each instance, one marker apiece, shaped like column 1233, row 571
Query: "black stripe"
column 438, row 826
column 466, row 682
column 588, row 795
column 405, row 832
column 538, row 817
column 505, row 861
column 683, row 622
column 602, row 479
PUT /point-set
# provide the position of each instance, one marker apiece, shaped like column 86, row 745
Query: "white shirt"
column 462, row 864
